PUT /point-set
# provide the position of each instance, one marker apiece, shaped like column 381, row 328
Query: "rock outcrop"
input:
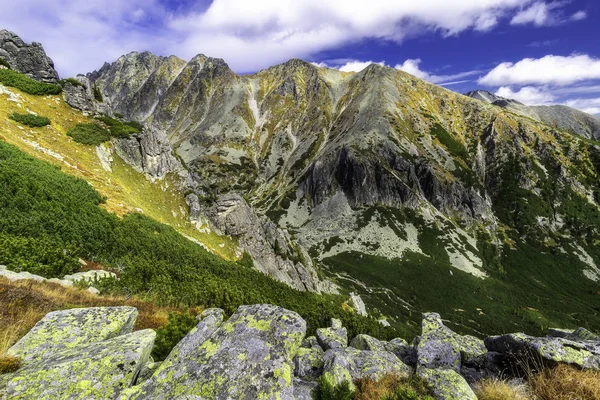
column 29, row 59
column 260, row 352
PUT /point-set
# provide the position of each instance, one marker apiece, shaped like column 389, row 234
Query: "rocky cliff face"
column 29, row 59
column 559, row 117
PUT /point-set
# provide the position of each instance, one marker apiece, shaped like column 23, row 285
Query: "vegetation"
column 90, row 134
column 4, row 63
column 19, row 81
column 167, row 337
column 497, row 389
column 71, row 81
column 389, row 387
column 32, row 120
column 42, row 204
column 120, row 129
column 97, row 93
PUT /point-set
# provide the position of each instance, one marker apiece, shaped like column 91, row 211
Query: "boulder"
column 349, row 364
column 358, row 304
column 548, row 350
column 310, row 341
column 404, row 351
column 90, row 276
column 577, row 334
column 70, row 329
column 249, row 356
column 304, row 390
column 95, row 370
column 446, row 384
column 335, row 337
column 29, row 59
column 308, row 363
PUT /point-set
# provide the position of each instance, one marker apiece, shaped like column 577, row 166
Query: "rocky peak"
column 29, row 59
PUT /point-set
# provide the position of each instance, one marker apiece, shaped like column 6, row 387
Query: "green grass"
column 32, row 120
column 90, row 134
column 44, row 208
column 17, row 80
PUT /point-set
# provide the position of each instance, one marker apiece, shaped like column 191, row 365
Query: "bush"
column 4, row 63
column 167, row 337
column 90, row 134
column 19, row 81
column 97, row 94
column 72, row 81
column 120, row 129
column 34, row 121
column 327, row 390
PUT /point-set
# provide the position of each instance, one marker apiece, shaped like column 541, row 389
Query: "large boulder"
column 573, row 334
column 404, row 351
column 446, row 384
column 440, row 347
column 348, row 364
column 249, row 356
column 547, row 350
column 29, row 59
column 335, row 337
column 70, row 329
column 94, row 370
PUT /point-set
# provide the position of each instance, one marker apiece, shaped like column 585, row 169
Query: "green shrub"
column 34, row 121
column 327, row 390
column 72, row 81
column 119, row 115
column 90, row 134
column 97, row 94
column 120, row 129
column 4, row 63
column 167, row 337
column 23, row 83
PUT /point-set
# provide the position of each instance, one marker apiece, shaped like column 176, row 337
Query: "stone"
column 304, row 390
column 70, row 329
column 90, row 276
column 61, row 282
column 310, row 341
column 147, row 371
column 550, row 351
column 308, row 363
column 11, row 276
column 446, row 384
column 366, row 342
column 99, row 370
column 573, row 334
column 332, row 338
column 358, row 304
column 249, row 356
column 29, row 59
column 93, row 290
column 348, row 364
column 404, row 351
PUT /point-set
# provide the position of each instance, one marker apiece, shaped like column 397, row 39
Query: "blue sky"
column 537, row 51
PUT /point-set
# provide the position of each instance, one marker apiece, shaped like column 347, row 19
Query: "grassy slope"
column 125, row 189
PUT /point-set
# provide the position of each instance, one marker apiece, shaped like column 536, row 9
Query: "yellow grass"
column 566, row 383
column 496, row 389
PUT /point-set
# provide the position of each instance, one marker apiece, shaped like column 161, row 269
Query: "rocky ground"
column 261, row 352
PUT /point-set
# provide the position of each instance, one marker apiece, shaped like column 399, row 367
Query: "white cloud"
column 528, row 95
column 539, row 14
column 249, row 35
column 412, row 67
column 579, row 15
column 357, row 66
column 591, row 106
column 556, row 70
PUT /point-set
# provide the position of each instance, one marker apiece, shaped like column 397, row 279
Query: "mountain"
column 29, row 59
column 412, row 196
column 559, row 117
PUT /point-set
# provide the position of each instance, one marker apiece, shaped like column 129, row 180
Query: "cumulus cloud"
column 412, row 67
column 542, row 13
column 249, row 35
column 591, row 106
column 357, row 66
column 556, row 70
column 527, row 95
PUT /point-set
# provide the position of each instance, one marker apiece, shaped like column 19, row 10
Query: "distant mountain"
column 559, row 117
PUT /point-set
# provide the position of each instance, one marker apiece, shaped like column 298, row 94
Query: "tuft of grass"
column 392, row 387
column 496, row 389
column 90, row 134
column 566, row 383
column 9, row 364
column 31, row 120
column 17, row 80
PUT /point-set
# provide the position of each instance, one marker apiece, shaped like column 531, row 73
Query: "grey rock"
column 29, row 59
column 70, row 329
column 446, row 384
column 98, row 370
column 147, row 370
column 366, row 342
column 247, row 357
column 358, row 304
column 308, row 363
column 348, row 364
column 549, row 351
column 332, row 338
column 90, row 276
column 310, row 341
column 573, row 334
column 304, row 390
column 404, row 351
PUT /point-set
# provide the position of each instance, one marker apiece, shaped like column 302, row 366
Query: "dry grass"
column 496, row 389
column 391, row 387
column 566, row 383
column 24, row 303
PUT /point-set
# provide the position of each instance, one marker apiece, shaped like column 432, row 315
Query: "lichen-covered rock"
column 550, row 350
column 404, row 351
column 335, row 337
column 446, row 384
column 304, row 390
column 576, row 334
column 358, row 304
column 308, row 363
column 366, row 342
column 29, row 59
column 310, row 341
column 147, row 371
column 70, row 329
column 250, row 356
column 440, row 347
column 99, row 370
column 349, row 364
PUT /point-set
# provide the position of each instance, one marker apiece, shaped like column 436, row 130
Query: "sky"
column 534, row 51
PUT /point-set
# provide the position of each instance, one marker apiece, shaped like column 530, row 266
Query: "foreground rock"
column 29, row 59
column 446, row 384
column 248, row 357
column 335, row 337
column 79, row 354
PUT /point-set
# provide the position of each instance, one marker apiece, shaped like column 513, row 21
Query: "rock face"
column 29, row 59
column 250, row 356
column 79, row 354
